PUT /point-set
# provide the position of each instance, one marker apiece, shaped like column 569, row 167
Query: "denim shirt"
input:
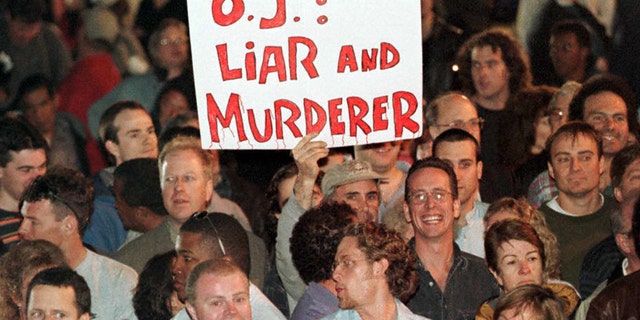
column 469, row 284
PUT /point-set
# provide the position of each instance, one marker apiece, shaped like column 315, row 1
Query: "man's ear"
column 112, row 148
column 70, row 224
column 479, row 166
column 550, row 168
column 456, row 208
column 624, row 243
column 380, row 267
column 407, row 213
column 617, row 193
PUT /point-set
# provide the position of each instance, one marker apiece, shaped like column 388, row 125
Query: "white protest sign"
column 267, row 72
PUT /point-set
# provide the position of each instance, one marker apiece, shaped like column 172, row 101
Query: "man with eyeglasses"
column 56, row 207
column 452, row 283
column 23, row 157
column 453, row 110
column 374, row 272
column 205, row 236
column 461, row 150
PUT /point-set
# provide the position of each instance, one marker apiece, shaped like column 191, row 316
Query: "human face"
column 431, row 220
column 381, row 156
column 51, row 302
column 568, row 57
column 22, row 33
column 173, row 50
column 519, row 263
column 489, row 73
column 221, row 297
column 285, row 188
column 607, row 113
column 136, row 136
column 172, row 104
column 353, row 274
column 185, row 188
column 25, row 166
column 190, row 253
column 456, row 109
column 126, row 212
column 40, row 109
column 40, row 222
column 362, row 196
column 575, row 165
column 462, row 157
column 630, row 182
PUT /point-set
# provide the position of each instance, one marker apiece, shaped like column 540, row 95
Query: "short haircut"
column 225, row 228
column 573, row 129
column 377, row 243
column 16, row 134
column 23, row 260
column 27, row 11
column 170, row 133
column 602, row 83
column 69, row 192
column 456, row 135
column 62, row 277
column 141, row 184
column 107, row 131
column 542, row 302
column 315, row 239
column 30, row 84
column 182, row 143
column 216, row 267
column 508, row 230
column 512, row 55
column 621, row 162
column 182, row 85
column 154, row 288
column 575, row 27
column 432, row 162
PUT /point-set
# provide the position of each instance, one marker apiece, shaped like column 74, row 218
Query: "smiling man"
column 579, row 215
column 452, row 283
column 607, row 103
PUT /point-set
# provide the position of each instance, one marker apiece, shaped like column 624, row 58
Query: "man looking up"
column 607, row 103
column 57, row 207
column 460, row 149
column 452, row 283
column 374, row 271
column 579, row 215
column 23, row 157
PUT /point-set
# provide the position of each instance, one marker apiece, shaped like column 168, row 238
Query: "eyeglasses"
column 42, row 187
column 204, row 215
column 460, row 124
column 166, row 41
column 437, row 195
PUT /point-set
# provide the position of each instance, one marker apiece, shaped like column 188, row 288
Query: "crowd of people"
column 519, row 200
